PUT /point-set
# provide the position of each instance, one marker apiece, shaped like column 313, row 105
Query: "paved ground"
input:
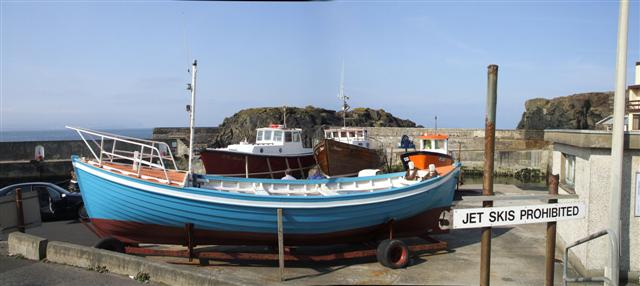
column 18, row 271
column 517, row 259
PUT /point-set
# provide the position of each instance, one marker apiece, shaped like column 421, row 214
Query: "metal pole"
column 487, row 178
column 551, row 235
column 617, row 139
column 280, row 246
column 192, row 113
column 436, row 124
column 20, row 210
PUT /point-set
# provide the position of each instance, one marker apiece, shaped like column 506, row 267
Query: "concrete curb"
column 28, row 246
column 88, row 257
column 37, row 248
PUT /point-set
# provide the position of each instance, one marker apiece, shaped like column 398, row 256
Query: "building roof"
column 590, row 138
column 434, row 136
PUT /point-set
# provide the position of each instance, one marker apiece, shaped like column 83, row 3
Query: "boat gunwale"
column 297, row 201
column 224, row 150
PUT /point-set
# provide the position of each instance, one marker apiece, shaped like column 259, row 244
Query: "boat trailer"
column 390, row 252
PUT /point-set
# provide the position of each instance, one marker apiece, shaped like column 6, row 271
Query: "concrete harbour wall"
column 515, row 149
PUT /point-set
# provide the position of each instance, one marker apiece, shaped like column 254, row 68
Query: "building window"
column 568, row 170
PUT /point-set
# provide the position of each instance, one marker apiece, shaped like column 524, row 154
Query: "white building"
column 582, row 158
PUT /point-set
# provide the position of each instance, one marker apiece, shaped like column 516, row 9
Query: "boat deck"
column 154, row 175
column 311, row 188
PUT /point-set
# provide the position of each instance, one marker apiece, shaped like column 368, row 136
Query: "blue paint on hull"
column 109, row 200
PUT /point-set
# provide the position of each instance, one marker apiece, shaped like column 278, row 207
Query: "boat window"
column 343, row 134
column 360, row 133
column 352, row 134
column 296, row 137
column 287, row 137
column 277, row 136
column 259, row 136
column 335, row 134
column 427, row 144
column 267, row 135
column 438, row 144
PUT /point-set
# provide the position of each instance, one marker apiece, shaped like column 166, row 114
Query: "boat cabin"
column 354, row 136
column 438, row 143
column 273, row 140
column 278, row 135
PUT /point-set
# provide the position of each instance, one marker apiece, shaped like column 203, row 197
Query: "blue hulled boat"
column 227, row 210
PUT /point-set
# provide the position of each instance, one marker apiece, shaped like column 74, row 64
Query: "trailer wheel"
column 110, row 243
column 393, row 253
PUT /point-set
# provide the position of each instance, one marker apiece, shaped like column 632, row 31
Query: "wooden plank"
column 280, row 246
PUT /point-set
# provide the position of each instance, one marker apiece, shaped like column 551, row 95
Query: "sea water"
column 67, row 134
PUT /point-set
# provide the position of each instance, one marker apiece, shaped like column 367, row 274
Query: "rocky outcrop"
column 578, row 111
column 312, row 120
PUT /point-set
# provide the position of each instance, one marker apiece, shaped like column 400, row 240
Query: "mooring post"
column 280, row 246
column 551, row 234
column 487, row 178
column 19, row 209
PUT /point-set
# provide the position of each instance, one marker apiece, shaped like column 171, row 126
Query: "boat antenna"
column 284, row 116
column 344, row 98
column 192, row 111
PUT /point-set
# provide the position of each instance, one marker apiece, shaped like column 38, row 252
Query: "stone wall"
column 515, row 149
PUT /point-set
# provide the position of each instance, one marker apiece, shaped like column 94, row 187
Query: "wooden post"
column 20, row 210
column 189, row 230
column 280, row 246
column 551, row 235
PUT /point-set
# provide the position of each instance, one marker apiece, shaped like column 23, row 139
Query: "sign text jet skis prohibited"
column 497, row 216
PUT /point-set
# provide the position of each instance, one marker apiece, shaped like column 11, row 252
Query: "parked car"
column 55, row 202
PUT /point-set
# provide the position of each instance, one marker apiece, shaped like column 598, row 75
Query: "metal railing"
column 613, row 244
column 148, row 155
column 633, row 106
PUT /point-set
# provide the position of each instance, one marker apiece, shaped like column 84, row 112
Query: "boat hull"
column 338, row 159
column 138, row 211
column 234, row 164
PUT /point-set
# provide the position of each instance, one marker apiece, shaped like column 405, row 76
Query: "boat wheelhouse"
column 438, row 143
column 276, row 149
column 350, row 135
column 434, row 149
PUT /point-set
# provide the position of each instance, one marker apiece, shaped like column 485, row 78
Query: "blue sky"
column 124, row 64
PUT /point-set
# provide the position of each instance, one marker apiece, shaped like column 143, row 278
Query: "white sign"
column 496, row 216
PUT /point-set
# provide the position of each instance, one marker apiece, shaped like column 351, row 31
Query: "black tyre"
column 393, row 254
column 82, row 214
column 110, row 243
